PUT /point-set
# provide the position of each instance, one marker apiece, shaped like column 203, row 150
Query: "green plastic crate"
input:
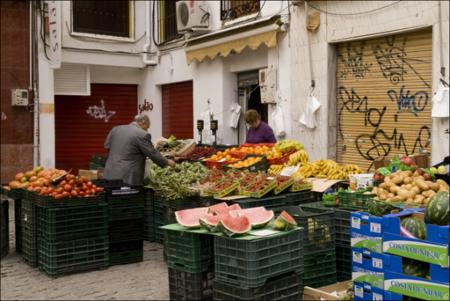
column 188, row 252
column 319, row 264
column 190, row 286
column 125, row 252
column 67, row 257
column 354, row 200
column 126, row 206
column 320, row 281
column 251, row 263
column 18, row 225
column 267, row 202
column 343, row 263
column 126, row 230
column 297, row 198
column 287, row 287
column 49, row 202
column 15, row 194
column 67, row 223
column 318, row 226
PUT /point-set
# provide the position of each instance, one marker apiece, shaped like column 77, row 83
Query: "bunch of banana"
column 300, row 156
column 351, row 169
column 305, row 171
column 275, row 169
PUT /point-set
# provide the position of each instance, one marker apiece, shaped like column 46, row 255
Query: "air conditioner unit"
column 192, row 16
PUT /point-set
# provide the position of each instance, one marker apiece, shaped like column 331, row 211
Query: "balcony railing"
column 232, row 9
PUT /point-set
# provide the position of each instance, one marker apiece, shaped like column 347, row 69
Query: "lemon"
column 441, row 170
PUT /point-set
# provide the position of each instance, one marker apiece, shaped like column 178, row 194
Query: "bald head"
column 143, row 121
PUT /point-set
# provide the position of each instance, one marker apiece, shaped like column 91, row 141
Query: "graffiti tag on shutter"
column 100, row 112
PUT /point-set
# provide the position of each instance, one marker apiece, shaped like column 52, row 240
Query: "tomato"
column 59, row 190
column 58, row 196
column 94, row 186
column 84, row 187
column 74, row 193
column 67, row 187
column 62, row 183
column 50, row 189
column 98, row 189
column 66, row 194
column 81, row 193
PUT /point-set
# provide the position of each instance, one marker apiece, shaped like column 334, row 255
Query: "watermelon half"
column 220, row 208
column 416, row 227
column 235, row 225
column 190, row 218
column 210, row 222
column 259, row 216
column 284, row 222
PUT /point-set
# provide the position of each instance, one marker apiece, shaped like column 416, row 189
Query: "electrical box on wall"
column 19, row 97
column 267, row 84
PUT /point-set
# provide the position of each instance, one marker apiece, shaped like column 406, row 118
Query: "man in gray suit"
column 128, row 146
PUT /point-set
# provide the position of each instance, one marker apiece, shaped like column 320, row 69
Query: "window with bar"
column 167, row 21
column 232, row 9
column 110, row 18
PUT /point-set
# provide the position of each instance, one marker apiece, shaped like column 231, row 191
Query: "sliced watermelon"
column 235, row 225
column 234, row 207
column 190, row 218
column 210, row 222
column 284, row 222
column 220, row 208
column 258, row 216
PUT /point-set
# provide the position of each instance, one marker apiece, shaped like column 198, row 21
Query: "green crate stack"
column 185, row 203
column 4, row 227
column 320, row 268
column 343, row 263
column 283, row 287
column 28, row 226
column 250, row 263
column 16, row 195
column 72, row 234
column 61, row 258
column 190, row 286
column 149, row 212
column 126, row 217
column 188, row 252
column 300, row 197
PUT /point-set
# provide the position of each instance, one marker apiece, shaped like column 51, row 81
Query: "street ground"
column 145, row 280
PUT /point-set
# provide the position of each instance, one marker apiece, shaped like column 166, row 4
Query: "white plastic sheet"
column 308, row 117
column 235, row 114
column 440, row 102
column 278, row 119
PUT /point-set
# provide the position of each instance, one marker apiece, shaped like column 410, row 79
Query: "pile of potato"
column 410, row 187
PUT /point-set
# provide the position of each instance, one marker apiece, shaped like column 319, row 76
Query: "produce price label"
column 357, row 257
column 375, row 227
column 356, row 223
column 377, row 263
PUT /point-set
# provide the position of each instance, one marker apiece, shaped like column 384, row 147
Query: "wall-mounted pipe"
column 35, row 78
column 148, row 32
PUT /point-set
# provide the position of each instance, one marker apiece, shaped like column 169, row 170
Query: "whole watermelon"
column 415, row 268
column 437, row 211
column 416, row 227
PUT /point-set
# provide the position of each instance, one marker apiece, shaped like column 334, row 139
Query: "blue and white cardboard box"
column 365, row 291
column 367, row 231
column 434, row 249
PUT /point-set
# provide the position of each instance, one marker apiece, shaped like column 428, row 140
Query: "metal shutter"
column 82, row 122
column 177, row 111
column 383, row 97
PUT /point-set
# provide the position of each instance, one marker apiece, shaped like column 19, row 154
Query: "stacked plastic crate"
column 342, row 219
column 72, row 234
column 149, row 212
column 259, row 268
column 415, row 268
column 367, row 257
column 28, row 229
column 190, row 262
column 126, row 224
column 318, row 244
column 4, row 227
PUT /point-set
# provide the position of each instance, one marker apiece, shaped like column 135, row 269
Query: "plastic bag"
column 278, row 118
column 440, row 102
column 235, row 114
column 307, row 118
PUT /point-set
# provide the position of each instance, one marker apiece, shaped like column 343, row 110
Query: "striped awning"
column 234, row 40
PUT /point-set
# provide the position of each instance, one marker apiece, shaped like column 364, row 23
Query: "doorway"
column 250, row 99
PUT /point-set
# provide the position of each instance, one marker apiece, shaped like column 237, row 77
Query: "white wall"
column 405, row 15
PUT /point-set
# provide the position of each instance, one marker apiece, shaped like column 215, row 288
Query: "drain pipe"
column 35, row 73
column 147, row 46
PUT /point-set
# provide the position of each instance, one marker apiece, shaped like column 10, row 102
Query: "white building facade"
column 218, row 68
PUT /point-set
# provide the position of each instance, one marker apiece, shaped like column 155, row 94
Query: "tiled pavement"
column 146, row 280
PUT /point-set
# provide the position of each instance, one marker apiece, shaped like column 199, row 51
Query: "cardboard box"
column 88, row 174
column 328, row 292
column 367, row 232
column 421, row 160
